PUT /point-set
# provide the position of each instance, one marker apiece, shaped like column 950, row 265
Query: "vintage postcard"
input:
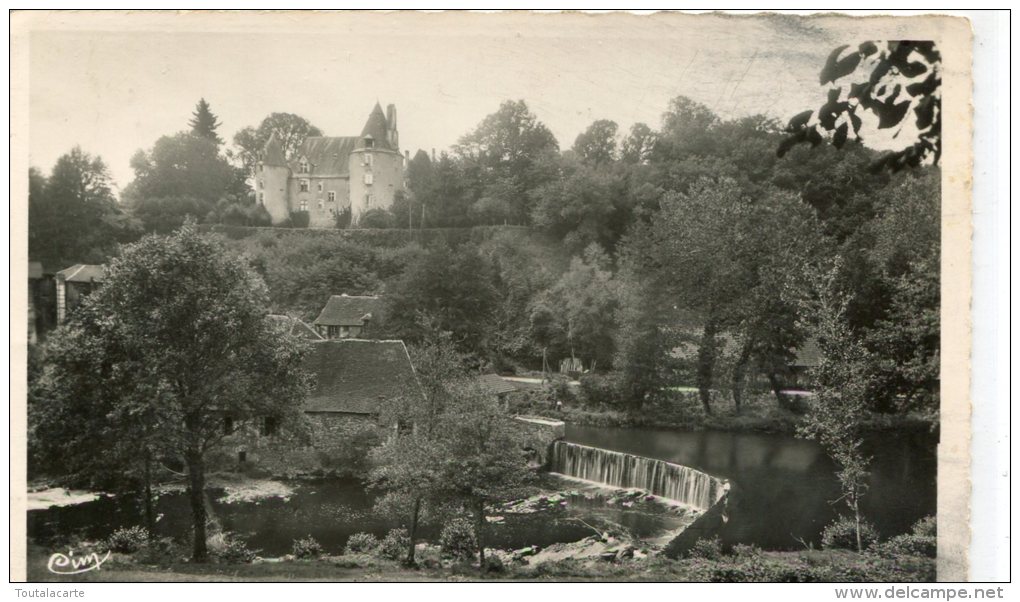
column 330, row 296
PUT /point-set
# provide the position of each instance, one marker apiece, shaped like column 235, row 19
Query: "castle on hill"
column 329, row 175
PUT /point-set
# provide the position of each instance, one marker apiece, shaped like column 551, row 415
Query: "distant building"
column 331, row 175
column 348, row 317
column 74, row 284
column 294, row 327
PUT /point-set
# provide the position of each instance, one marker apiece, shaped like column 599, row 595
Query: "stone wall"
column 540, row 433
column 327, row 443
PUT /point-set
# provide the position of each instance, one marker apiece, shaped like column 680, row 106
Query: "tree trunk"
column 479, row 529
column 150, row 520
column 706, row 364
column 857, row 519
column 196, row 495
column 410, row 561
column 777, row 390
column 739, row 371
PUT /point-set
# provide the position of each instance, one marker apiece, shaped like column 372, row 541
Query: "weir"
column 615, row 469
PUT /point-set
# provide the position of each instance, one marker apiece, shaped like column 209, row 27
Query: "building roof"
column 344, row 310
column 272, row 154
column 494, row 384
column 355, row 376
column 377, row 126
column 295, row 327
column 328, row 155
column 82, row 272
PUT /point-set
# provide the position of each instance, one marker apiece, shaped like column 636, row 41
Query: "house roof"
column 344, row 310
column 295, row 327
column 354, row 376
column 494, row 384
column 82, row 272
column 328, row 155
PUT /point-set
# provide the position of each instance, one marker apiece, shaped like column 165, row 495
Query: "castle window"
column 262, row 184
column 368, row 179
column 369, row 142
column 304, row 205
column 270, row 426
column 303, row 166
column 320, row 186
column 304, row 185
column 228, row 425
column 331, row 195
column 368, row 159
column 321, row 206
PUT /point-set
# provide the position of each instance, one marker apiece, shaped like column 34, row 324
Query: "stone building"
column 329, row 176
column 349, row 317
column 353, row 380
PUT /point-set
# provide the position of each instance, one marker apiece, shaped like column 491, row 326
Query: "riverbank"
column 749, row 565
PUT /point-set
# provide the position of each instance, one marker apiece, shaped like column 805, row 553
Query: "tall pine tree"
column 204, row 123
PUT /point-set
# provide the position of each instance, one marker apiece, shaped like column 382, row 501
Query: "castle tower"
column 272, row 175
column 376, row 165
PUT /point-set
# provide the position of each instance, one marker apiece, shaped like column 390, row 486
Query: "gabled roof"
column 272, row 154
column 343, row 310
column 328, row 155
column 494, row 384
column 295, row 327
column 82, row 272
column 355, row 376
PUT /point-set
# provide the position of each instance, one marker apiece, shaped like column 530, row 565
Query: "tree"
column 290, row 130
column 182, row 327
column 841, row 389
column 509, row 153
column 896, row 78
column 407, row 465
column 204, row 123
column 637, row 146
column 451, row 288
column 597, row 144
column 376, row 218
column 72, row 215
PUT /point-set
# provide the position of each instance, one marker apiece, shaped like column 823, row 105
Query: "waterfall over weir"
column 615, row 469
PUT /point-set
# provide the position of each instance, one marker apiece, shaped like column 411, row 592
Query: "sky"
column 115, row 84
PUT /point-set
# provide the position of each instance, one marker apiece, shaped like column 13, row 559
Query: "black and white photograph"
column 499, row 297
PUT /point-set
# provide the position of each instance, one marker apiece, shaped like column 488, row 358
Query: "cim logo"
column 70, row 564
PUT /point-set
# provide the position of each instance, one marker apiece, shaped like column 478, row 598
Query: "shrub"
column 598, row 390
column 926, row 527
column 162, row 550
column 707, row 549
column 458, row 539
column 908, row 544
column 307, row 548
column 394, row 545
column 300, row 219
column 376, row 218
column 229, row 547
column 127, row 540
column 361, row 543
column 744, row 551
column 842, row 534
column 494, row 564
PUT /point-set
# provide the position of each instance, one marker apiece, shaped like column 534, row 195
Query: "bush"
column 394, row 545
column 162, row 550
column 842, row 534
column 361, row 543
column 926, row 527
column 127, row 540
column 376, row 218
column 707, row 549
column 307, row 548
column 229, row 547
column 494, row 564
column 300, row 219
column 598, row 390
column 908, row 544
column 458, row 539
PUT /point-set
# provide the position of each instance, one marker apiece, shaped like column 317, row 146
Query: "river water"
column 781, row 486
column 781, row 489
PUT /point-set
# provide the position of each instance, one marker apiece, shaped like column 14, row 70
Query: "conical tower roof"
column 376, row 127
column 272, row 154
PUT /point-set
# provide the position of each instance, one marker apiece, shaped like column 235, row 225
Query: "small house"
column 349, row 316
column 74, row 284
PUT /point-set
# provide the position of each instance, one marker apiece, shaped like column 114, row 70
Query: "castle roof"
column 327, row 154
column 272, row 154
column 376, row 127
column 355, row 376
column 344, row 310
